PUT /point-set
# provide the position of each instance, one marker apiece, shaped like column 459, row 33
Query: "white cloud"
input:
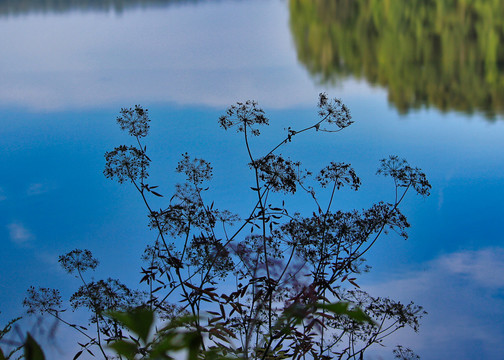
column 36, row 189
column 483, row 267
column 19, row 234
column 463, row 293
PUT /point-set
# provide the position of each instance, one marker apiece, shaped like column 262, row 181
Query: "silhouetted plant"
column 285, row 289
column 244, row 116
column 42, row 300
column 78, row 260
column 403, row 353
column 135, row 121
column 98, row 297
column 10, row 347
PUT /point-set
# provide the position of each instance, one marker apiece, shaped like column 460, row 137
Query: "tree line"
column 441, row 53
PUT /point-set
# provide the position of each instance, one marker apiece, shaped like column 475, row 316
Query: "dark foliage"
column 126, row 163
column 42, row 300
column 288, row 288
column 135, row 121
column 78, row 260
column 244, row 116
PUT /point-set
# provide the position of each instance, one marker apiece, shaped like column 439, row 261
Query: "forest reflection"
column 441, row 53
column 18, row 7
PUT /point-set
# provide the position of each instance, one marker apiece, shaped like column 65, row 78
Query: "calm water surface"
column 424, row 83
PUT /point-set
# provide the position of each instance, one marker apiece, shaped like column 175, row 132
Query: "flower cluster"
column 196, row 170
column 404, row 175
column 334, row 112
column 278, row 173
column 126, row 163
column 244, row 115
column 340, row 174
column 136, row 121
column 79, row 260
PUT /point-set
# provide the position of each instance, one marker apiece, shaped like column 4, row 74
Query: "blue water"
column 66, row 76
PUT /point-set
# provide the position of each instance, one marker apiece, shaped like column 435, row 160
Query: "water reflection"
column 16, row 7
column 65, row 75
column 175, row 54
column 445, row 54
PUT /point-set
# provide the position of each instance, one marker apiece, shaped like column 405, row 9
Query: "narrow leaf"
column 138, row 320
column 342, row 308
column 32, row 350
column 124, row 348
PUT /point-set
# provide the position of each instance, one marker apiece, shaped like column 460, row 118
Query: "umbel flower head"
column 404, row 175
column 333, row 112
column 126, row 163
column 196, row 170
column 243, row 116
column 42, row 300
column 78, row 260
column 136, row 121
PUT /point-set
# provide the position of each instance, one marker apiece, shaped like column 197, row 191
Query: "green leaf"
column 164, row 344
column 169, row 341
column 124, row 348
column 2, row 357
column 176, row 339
column 32, row 350
column 342, row 308
column 193, row 343
column 138, row 320
column 181, row 321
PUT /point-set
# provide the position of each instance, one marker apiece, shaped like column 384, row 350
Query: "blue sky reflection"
column 64, row 78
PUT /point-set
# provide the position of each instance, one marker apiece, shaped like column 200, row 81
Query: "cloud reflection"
column 239, row 51
column 37, row 189
column 463, row 293
column 19, row 234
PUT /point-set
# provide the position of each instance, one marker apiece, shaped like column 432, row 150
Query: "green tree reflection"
column 442, row 53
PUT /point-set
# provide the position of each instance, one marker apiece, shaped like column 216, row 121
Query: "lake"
column 423, row 81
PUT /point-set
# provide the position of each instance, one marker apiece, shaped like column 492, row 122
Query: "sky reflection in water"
column 111, row 59
column 65, row 76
